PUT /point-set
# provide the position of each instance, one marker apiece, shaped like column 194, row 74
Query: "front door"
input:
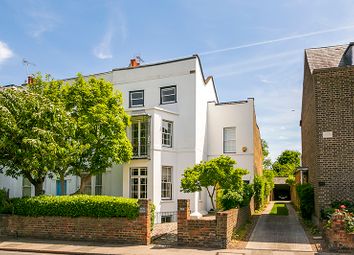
column 59, row 188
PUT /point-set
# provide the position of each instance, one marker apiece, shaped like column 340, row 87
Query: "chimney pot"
column 134, row 62
column 29, row 80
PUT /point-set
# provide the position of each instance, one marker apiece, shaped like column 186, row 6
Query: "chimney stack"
column 134, row 63
column 29, row 79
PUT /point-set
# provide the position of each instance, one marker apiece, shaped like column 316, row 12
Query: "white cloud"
column 103, row 49
column 5, row 52
column 116, row 29
column 41, row 21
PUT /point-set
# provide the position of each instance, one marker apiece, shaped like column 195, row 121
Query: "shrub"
column 231, row 199
column 2, row 199
column 76, row 206
column 259, row 191
column 306, row 197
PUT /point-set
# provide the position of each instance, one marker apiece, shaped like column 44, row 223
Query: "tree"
column 216, row 173
column 32, row 134
column 267, row 162
column 286, row 163
column 100, row 119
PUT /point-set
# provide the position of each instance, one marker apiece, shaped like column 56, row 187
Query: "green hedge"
column 76, row 206
column 306, row 198
column 263, row 186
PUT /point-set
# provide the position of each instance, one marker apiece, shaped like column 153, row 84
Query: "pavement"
column 273, row 235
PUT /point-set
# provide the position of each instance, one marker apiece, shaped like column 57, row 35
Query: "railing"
column 165, row 217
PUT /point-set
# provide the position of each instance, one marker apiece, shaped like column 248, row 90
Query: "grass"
column 279, row 209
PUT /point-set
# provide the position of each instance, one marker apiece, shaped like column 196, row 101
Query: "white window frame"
column 169, row 134
column 162, row 89
column 168, row 182
column 229, row 140
column 131, row 100
column 98, row 186
column 26, row 185
column 139, row 177
column 140, row 154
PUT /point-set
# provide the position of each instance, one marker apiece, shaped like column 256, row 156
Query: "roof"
column 325, row 57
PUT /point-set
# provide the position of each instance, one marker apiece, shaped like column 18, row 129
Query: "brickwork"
column 117, row 230
column 337, row 237
column 208, row 232
column 328, row 105
column 257, row 147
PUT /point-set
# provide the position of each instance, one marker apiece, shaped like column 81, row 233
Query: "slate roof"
column 325, row 57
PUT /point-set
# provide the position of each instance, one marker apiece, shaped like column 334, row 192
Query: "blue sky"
column 252, row 48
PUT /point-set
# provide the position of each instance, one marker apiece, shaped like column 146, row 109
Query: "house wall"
column 239, row 115
column 334, row 94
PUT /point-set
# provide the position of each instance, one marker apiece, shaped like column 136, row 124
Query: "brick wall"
column 208, row 232
column 328, row 105
column 119, row 230
column 257, row 144
column 337, row 237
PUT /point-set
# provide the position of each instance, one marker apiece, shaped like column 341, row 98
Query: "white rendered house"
column 177, row 121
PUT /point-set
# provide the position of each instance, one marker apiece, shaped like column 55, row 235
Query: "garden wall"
column 209, row 231
column 118, row 230
column 336, row 235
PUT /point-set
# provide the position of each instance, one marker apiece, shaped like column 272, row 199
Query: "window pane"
column 136, row 98
column 166, row 182
column 168, row 95
column 229, row 139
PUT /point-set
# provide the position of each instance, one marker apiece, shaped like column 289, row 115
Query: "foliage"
column 235, row 199
column 4, row 201
column 286, row 163
column 306, row 197
column 267, row 162
column 327, row 212
column 259, row 191
column 101, row 123
column 35, row 134
column 345, row 215
column 279, row 209
column 218, row 172
column 290, row 180
column 263, row 186
column 152, row 216
column 76, row 206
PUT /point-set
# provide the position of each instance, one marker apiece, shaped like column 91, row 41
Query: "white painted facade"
column 198, row 120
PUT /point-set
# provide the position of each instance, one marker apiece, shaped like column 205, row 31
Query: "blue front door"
column 59, row 188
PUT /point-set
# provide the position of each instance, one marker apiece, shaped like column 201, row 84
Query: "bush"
column 259, row 191
column 306, row 197
column 5, row 206
column 76, row 206
column 231, row 199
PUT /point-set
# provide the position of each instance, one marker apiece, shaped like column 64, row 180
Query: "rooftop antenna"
column 27, row 64
column 139, row 58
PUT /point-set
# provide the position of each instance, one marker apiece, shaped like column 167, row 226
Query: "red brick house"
column 327, row 123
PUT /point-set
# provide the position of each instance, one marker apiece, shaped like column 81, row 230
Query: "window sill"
column 167, row 201
column 168, row 103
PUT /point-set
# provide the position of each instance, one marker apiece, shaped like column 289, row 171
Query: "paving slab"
column 279, row 233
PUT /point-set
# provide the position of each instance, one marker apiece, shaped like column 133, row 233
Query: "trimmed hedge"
column 76, row 206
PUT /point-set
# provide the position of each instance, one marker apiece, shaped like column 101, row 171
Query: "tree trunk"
column 84, row 181
column 38, row 189
column 62, row 185
column 211, row 196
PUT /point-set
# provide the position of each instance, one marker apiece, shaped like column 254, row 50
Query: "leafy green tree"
column 216, row 173
column 100, row 119
column 286, row 163
column 267, row 162
column 32, row 135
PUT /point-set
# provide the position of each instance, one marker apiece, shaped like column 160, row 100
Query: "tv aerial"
column 27, row 64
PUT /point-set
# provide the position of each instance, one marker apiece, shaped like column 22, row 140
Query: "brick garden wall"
column 118, row 230
column 337, row 237
column 208, row 232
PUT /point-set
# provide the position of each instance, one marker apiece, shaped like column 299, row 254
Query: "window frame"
column 168, row 102
column 139, row 177
column 100, row 185
column 224, row 140
column 130, row 98
column 170, row 134
column 167, row 182
column 26, row 185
